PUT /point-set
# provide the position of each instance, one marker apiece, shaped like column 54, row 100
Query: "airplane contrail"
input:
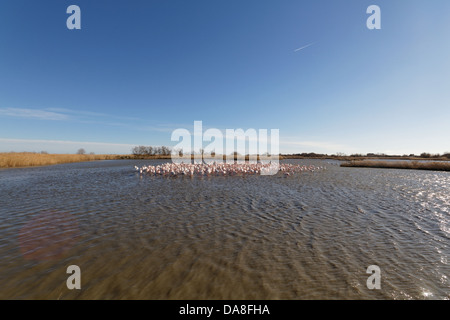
column 304, row 47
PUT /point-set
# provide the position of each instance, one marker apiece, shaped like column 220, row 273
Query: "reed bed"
column 416, row 165
column 30, row 159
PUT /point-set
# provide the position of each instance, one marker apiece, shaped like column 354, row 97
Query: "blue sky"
column 137, row 70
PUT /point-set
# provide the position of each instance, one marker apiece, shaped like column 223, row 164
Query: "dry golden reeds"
column 28, row 159
column 424, row 165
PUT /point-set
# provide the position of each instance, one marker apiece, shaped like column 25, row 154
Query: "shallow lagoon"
column 307, row 236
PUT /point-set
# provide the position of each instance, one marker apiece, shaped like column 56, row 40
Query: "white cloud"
column 87, row 117
column 59, row 146
column 33, row 114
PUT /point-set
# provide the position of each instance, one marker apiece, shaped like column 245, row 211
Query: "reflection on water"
column 307, row 236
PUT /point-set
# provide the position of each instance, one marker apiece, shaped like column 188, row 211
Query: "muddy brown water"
column 307, row 236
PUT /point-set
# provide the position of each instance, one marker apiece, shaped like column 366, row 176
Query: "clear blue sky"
column 137, row 70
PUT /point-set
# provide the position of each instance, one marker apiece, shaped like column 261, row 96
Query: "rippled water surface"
column 307, row 236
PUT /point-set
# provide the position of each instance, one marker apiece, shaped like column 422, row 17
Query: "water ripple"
column 307, row 236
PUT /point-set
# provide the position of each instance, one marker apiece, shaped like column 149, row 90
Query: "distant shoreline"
column 415, row 165
column 30, row 159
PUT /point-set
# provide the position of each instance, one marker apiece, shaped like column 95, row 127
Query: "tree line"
column 166, row 151
column 150, row 151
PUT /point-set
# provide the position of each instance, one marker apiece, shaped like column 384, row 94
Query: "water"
column 307, row 236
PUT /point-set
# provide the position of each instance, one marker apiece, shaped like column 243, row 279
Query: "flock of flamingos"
column 224, row 169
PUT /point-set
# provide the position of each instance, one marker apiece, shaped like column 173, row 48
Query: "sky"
column 138, row 70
